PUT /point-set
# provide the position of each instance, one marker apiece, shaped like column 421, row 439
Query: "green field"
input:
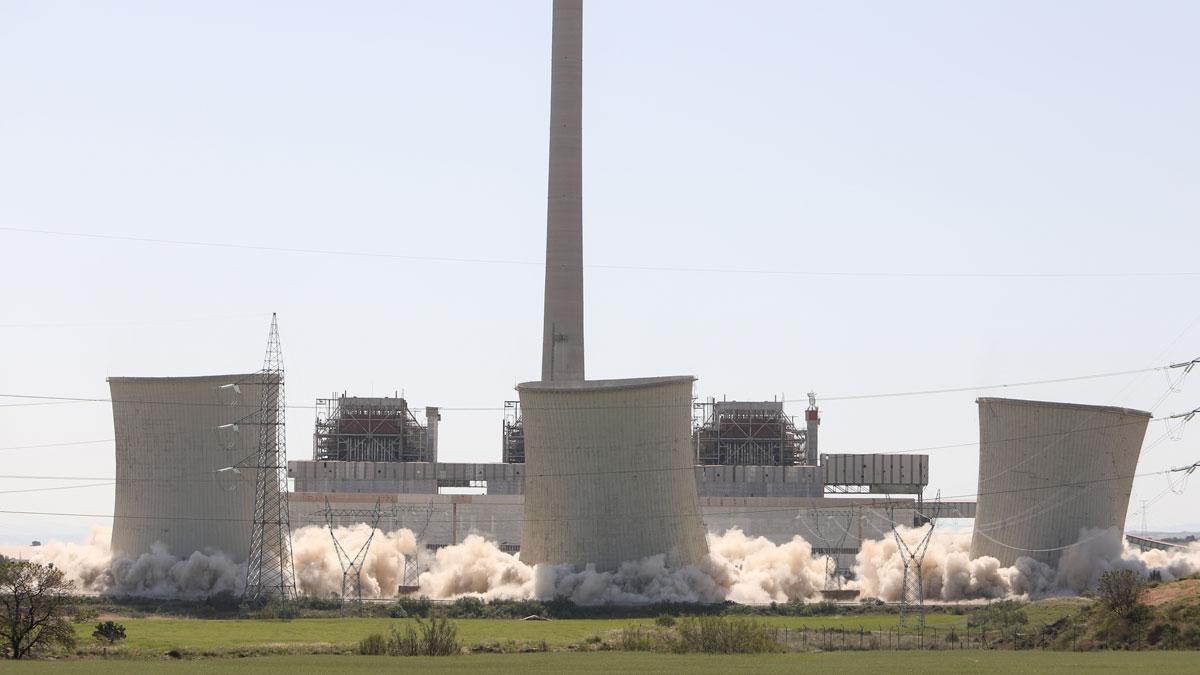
column 199, row 635
column 844, row 663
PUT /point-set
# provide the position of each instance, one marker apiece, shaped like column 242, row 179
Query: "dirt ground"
column 1188, row 588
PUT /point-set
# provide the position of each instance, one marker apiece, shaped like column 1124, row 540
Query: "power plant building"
column 176, row 439
column 1048, row 471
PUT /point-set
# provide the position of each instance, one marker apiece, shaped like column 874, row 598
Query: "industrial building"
column 597, row 472
column 1048, row 471
column 179, row 441
column 356, row 429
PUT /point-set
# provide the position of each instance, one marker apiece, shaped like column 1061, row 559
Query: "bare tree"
column 33, row 603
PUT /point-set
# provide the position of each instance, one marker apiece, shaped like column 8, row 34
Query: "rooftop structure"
column 358, row 429
column 743, row 432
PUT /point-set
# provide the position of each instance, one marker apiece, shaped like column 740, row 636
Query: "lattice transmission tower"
column 269, row 572
column 352, row 565
column 913, row 558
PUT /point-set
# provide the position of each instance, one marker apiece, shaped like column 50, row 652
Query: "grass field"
column 844, row 663
column 194, row 635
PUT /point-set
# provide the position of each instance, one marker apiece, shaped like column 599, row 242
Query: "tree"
column 33, row 603
column 109, row 631
column 1120, row 590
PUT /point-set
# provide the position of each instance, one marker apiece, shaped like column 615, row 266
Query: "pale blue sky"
column 933, row 137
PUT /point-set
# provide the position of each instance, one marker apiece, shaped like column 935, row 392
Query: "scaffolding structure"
column 358, row 429
column 747, row 433
column 513, row 434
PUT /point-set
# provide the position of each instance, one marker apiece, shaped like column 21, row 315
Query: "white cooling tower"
column 1049, row 470
column 173, row 437
column 610, row 475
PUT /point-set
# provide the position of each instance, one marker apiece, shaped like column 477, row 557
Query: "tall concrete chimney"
column 562, row 330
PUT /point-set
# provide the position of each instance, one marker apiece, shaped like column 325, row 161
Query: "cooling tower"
column 609, row 472
column 1048, row 470
column 173, row 435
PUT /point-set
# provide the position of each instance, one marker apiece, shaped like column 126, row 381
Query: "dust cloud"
column 739, row 567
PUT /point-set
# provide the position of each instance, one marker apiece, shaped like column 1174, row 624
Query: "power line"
column 871, row 503
column 60, row 487
column 638, row 268
column 58, row 445
column 895, row 394
column 130, row 322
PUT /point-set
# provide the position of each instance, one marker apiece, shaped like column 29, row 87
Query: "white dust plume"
column 739, row 567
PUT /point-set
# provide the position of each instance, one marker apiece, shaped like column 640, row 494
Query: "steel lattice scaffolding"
column 269, row 571
column 369, row 429
column 747, row 433
column 513, row 434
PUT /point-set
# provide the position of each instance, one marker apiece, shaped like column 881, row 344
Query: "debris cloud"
column 739, row 568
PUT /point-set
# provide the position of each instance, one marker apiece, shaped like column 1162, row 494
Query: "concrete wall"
column 509, row 479
column 884, row 473
column 172, row 436
column 609, row 473
column 758, row 481
column 1046, row 470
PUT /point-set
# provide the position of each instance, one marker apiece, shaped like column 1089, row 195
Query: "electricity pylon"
column 269, row 572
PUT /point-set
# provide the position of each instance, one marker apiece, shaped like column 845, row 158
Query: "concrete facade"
column 173, row 435
column 609, row 473
column 562, row 330
column 1048, row 470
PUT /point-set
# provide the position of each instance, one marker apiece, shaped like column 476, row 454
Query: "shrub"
column 725, row 635
column 640, row 638
column 467, row 607
column 406, row 607
column 952, row 636
column 1005, row 616
column 374, row 644
column 109, row 631
column 436, row 637
column 1119, row 590
column 665, row 620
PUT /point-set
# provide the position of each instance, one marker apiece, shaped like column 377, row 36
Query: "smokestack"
column 562, row 330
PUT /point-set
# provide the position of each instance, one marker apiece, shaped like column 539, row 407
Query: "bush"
column 1119, row 590
column 374, row 644
column 109, row 631
column 665, row 620
column 725, row 635
column 467, row 607
column 406, row 607
column 952, row 636
column 1005, row 616
column 641, row 639
column 436, row 637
